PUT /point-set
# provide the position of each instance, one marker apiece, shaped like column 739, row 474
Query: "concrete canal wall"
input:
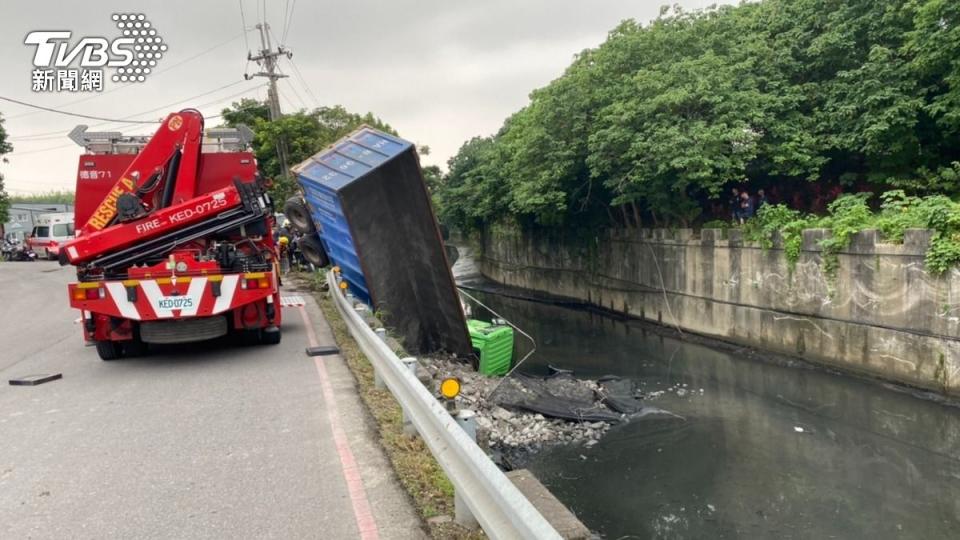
column 882, row 314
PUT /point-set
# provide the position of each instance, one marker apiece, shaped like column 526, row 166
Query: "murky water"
column 764, row 450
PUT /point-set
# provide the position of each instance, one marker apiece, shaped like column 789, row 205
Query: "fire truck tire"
column 270, row 336
column 134, row 348
column 109, row 350
column 249, row 338
column 299, row 215
column 313, row 251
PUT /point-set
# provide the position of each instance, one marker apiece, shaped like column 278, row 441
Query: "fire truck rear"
column 174, row 239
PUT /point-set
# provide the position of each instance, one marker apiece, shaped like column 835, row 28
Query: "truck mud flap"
column 183, row 330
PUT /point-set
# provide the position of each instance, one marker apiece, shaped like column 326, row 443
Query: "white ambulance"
column 50, row 231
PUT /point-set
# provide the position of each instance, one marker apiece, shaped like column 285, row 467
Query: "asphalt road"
column 189, row 442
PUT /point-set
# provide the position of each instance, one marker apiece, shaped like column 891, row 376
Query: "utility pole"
column 267, row 60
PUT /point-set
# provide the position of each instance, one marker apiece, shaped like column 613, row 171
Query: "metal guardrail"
column 501, row 509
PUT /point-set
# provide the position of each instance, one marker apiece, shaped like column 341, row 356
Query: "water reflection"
column 764, row 450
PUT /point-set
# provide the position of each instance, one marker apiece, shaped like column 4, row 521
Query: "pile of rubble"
column 511, row 430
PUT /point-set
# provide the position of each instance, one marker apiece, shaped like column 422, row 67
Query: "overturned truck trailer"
column 370, row 208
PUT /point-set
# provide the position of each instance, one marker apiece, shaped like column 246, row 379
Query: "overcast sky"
column 439, row 71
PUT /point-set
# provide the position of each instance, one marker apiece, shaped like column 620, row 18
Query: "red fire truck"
column 173, row 239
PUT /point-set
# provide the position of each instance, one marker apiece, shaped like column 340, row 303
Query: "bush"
column 850, row 214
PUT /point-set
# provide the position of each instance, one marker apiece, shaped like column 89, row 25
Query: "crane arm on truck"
column 172, row 153
column 155, row 200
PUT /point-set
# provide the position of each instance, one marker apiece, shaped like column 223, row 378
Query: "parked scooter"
column 17, row 252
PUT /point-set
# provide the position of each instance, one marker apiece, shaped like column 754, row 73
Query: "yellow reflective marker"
column 336, row 269
column 343, row 285
column 450, row 387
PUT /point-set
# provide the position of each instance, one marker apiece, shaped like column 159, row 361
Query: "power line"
column 283, row 20
column 54, row 134
column 201, row 53
column 211, row 117
column 303, row 103
column 218, row 100
column 155, row 73
column 243, row 21
column 162, row 107
column 227, row 98
column 288, row 23
column 303, row 82
column 39, row 150
column 286, row 99
column 50, row 109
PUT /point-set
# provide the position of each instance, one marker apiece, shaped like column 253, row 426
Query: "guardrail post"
column 377, row 379
column 467, row 420
column 462, row 514
column 408, row 428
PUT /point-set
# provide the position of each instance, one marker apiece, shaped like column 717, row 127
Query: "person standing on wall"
column 747, row 207
column 734, row 204
column 761, row 199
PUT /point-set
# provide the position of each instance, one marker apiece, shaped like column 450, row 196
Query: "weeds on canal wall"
column 850, row 214
column 417, row 470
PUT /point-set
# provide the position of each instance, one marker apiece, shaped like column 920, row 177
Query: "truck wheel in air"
column 109, row 350
column 313, row 251
column 299, row 215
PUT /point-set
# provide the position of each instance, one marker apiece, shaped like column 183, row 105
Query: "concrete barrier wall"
column 882, row 314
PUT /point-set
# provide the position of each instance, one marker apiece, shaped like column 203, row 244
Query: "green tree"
column 662, row 118
column 305, row 133
column 247, row 112
column 49, row 197
column 5, row 148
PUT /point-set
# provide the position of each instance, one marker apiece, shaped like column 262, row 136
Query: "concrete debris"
column 515, row 433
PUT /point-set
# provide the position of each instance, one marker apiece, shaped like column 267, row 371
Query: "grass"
column 415, row 467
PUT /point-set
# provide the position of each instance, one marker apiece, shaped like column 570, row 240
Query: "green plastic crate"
column 493, row 344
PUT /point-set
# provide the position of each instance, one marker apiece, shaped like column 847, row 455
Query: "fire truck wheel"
column 270, row 336
column 313, row 251
column 296, row 211
column 109, row 350
column 134, row 348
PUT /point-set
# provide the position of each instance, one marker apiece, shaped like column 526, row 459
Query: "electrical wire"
column 201, row 53
column 283, row 20
column 286, row 99
column 303, row 82
column 303, row 104
column 243, row 22
column 127, row 85
column 38, row 150
column 215, row 102
column 168, row 105
column 87, row 116
column 60, row 133
column 289, row 23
